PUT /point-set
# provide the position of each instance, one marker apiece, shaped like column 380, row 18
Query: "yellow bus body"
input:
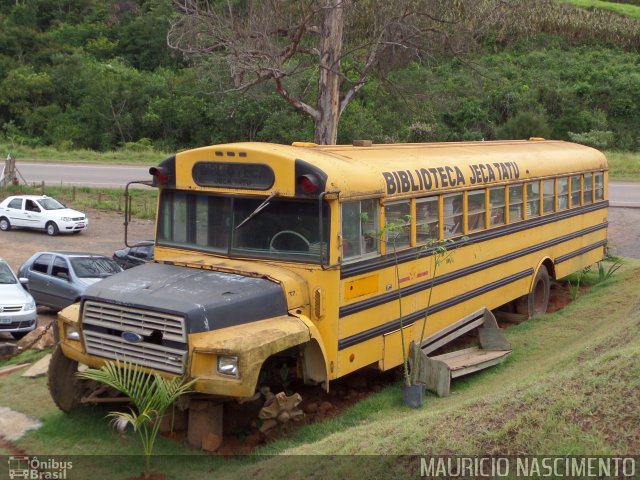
column 349, row 308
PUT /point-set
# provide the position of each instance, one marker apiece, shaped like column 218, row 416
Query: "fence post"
column 42, row 188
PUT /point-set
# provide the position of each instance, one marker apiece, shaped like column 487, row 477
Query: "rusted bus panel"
column 252, row 343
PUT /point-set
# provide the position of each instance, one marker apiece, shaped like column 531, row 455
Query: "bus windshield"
column 236, row 226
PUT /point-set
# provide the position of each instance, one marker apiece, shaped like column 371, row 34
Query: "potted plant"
column 412, row 389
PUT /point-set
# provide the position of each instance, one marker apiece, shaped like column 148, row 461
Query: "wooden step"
column 442, row 368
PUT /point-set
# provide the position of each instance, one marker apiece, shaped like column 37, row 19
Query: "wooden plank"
column 12, row 368
column 438, row 377
column 479, row 366
column 469, row 356
column 493, row 339
column 479, row 314
column 452, row 336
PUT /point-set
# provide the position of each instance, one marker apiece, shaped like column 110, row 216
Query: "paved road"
column 106, row 176
column 625, row 194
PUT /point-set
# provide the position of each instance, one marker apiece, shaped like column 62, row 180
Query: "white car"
column 18, row 313
column 40, row 211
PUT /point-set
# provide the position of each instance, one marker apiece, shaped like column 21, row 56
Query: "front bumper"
column 73, row 226
column 18, row 321
column 251, row 343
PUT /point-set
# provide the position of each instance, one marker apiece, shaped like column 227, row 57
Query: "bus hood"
column 207, row 299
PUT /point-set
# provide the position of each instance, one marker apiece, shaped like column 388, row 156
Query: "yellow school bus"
column 268, row 254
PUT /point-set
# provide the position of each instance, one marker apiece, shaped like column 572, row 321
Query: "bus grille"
column 104, row 324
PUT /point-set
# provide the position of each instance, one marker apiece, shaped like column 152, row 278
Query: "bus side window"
column 599, row 185
column 575, row 191
column 359, row 228
column 427, row 224
column 548, row 201
column 476, row 210
column 588, row 189
column 515, row 203
column 397, row 218
column 453, row 215
column 496, row 204
column 563, row 193
column 533, row 199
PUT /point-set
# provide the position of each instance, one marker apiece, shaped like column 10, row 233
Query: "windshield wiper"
column 258, row 209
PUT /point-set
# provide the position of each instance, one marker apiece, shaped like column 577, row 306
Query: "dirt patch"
column 104, row 235
column 14, row 425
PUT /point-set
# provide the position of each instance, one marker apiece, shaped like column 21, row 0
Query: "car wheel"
column 5, row 224
column 18, row 335
column 52, row 229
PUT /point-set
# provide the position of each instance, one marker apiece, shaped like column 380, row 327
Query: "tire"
column 18, row 335
column 537, row 300
column 52, row 229
column 63, row 384
column 5, row 224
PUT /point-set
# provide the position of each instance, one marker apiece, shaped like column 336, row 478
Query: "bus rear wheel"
column 537, row 300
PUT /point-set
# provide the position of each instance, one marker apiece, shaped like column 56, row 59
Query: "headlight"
column 66, row 219
column 228, row 366
column 72, row 333
column 31, row 305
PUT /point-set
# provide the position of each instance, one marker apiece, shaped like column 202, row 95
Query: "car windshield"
column 6, row 275
column 50, row 204
column 92, row 267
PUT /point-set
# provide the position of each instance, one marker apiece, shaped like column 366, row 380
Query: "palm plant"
column 151, row 396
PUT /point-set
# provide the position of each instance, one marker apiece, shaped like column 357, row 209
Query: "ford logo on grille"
column 132, row 337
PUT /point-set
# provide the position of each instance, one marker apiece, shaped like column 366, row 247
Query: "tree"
column 337, row 43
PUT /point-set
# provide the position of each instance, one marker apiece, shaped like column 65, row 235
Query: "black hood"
column 208, row 300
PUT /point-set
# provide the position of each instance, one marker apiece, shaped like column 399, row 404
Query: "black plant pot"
column 413, row 395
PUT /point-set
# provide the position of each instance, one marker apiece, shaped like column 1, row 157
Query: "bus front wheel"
column 64, row 386
column 537, row 300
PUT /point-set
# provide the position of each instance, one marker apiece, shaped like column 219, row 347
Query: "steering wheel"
column 288, row 232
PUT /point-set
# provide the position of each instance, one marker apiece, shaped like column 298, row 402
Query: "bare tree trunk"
column 326, row 125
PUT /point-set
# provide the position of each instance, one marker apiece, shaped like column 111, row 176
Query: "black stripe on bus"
column 588, row 248
column 412, row 318
column 415, row 253
column 425, row 285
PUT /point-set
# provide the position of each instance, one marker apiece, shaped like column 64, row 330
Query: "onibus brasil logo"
column 36, row 469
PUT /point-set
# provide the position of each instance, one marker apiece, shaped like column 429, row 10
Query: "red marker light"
column 160, row 174
column 308, row 183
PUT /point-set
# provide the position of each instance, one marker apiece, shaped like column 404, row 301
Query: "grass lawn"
column 619, row 8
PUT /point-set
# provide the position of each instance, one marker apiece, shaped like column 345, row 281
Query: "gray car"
column 58, row 279
column 18, row 313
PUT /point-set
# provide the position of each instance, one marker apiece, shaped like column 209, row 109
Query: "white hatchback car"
column 18, row 313
column 40, row 211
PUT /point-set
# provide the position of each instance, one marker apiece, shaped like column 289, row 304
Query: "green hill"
column 99, row 75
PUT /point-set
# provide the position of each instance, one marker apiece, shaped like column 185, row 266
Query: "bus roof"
column 409, row 169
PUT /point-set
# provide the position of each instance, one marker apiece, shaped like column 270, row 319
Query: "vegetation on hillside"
column 98, row 75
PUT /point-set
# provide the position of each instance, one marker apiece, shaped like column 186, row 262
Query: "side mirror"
column 24, row 282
